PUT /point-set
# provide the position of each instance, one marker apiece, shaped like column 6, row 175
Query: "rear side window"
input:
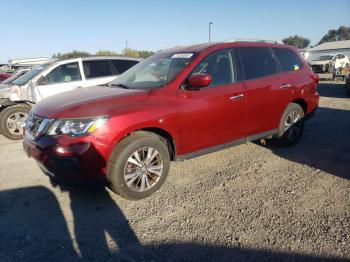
column 98, row 68
column 123, row 65
column 288, row 59
column 258, row 62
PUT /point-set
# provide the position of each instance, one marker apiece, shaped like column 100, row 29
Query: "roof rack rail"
column 252, row 40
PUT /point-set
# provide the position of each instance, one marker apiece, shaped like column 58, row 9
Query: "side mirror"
column 198, row 81
column 40, row 81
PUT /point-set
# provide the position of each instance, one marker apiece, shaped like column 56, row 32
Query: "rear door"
column 213, row 115
column 268, row 89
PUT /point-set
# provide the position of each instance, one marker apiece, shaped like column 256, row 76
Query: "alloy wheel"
column 143, row 169
column 293, row 126
column 16, row 122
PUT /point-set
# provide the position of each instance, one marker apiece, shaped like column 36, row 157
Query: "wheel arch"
column 164, row 134
column 301, row 102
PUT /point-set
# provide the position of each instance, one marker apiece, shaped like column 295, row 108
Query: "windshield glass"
column 30, row 74
column 13, row 77
column 155, row 71
column 324, row 58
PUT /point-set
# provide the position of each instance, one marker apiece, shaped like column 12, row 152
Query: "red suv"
column 177, row 104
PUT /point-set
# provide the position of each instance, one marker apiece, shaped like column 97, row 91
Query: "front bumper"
column 70, row 159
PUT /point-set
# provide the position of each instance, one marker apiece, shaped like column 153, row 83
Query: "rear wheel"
column 13, row 120
column 139, row 165
column 291, row 126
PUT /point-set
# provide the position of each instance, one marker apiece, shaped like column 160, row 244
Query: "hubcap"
column 143, row 169
column 292, row 125
column 16, row 122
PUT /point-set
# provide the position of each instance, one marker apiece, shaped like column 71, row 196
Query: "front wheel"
column 138, row 165
column 291, row 126
column 12, row 121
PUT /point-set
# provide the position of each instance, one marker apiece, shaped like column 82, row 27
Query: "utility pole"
column 126, row 46
column 210, row 24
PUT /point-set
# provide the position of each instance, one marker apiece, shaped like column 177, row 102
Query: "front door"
column 61, row 79
column 213, row 115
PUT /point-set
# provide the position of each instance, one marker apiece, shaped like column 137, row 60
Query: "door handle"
column 237, row 97
column 285, row 86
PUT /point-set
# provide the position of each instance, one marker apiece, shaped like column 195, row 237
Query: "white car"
column 53, row 78
column 325, row 63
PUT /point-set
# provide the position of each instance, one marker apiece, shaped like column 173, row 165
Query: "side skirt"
column 237, row 142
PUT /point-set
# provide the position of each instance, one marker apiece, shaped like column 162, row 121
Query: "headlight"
column 76, row 127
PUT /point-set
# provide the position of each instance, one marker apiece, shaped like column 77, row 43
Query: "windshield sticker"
column 182, row 55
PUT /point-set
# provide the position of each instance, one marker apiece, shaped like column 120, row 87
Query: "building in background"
column 27, row 62
column 328, row 48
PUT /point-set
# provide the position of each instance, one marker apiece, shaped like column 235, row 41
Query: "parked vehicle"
column 326, row 63
column 51, row 79
column 4, row 76
column 175, row 105
column 14, row 76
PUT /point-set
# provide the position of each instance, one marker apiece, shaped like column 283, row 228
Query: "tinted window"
column 123, row 65
column 219, row 66
column 288, row 59
column 98, row 68
column 341, row 56
column 258, row 62
column 64, row 73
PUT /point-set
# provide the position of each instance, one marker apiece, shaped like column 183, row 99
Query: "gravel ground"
column 249, row 203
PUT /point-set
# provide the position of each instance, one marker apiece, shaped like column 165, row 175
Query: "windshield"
column 13, row 77
column 324, row 58
column 30, row 74
column 155, row 71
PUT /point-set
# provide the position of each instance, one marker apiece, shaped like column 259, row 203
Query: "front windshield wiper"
column 120, row 85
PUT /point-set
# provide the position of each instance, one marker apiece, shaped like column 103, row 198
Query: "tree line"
column 126, row 52
column 342, row 33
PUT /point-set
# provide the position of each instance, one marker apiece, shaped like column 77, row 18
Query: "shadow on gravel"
column 33, row 228
column 336, row 90
column 325, row 143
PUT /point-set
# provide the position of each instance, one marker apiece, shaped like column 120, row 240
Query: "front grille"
column 37, row 125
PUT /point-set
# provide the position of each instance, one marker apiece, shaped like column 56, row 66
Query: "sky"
column 41, row 28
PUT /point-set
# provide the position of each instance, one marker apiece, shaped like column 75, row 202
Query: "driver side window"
column 219, row 65
column 63, row 74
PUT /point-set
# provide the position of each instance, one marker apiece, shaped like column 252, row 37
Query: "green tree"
column 73, row 54
column 137, row 53
column 296, row 40
column 106, row 53
column 145, row 53
column 343, row 33
column 131, row 52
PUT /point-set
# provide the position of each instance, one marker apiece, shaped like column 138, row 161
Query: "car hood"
column 88, row 102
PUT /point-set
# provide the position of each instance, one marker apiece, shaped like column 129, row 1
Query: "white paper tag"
column 182, row 55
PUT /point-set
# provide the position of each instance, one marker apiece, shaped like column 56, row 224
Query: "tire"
column 12, row 120
column 291, row 126
column 122, row 168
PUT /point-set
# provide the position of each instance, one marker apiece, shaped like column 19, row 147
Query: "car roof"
column 202, row 47
column 111, row 57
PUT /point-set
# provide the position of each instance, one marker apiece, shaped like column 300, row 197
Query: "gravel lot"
column 249, row 203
